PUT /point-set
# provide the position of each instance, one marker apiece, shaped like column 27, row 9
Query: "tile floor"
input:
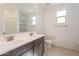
column 59, row 51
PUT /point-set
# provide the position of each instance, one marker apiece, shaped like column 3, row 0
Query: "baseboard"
column 67, row 48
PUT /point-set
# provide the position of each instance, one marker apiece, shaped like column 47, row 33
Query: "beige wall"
column 67, row 37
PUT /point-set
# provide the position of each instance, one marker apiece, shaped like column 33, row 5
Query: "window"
column 61, row 16
column 33, row 20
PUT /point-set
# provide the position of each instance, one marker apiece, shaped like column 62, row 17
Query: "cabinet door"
column 1, row 20
column 39, row 47
column 9, row 16
column 9, row 12
column 28, row 52
column 1, row 26
column 36, row 49
column 21, row 51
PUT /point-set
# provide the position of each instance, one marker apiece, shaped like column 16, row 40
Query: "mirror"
column 17, row 17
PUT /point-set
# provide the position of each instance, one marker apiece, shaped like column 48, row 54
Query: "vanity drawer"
column 20, row 50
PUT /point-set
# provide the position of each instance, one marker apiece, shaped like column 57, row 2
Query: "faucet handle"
column 10, row 38
column 3, row 32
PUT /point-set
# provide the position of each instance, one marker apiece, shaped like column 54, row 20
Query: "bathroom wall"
column 63, row 36
column 40, row 20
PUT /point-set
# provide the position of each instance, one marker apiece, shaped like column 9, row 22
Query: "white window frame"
column 60, row 16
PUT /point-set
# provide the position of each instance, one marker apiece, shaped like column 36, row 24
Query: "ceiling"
column 33, row 7
column 29, row 7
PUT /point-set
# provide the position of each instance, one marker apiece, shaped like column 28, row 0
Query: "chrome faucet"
column 10, row 38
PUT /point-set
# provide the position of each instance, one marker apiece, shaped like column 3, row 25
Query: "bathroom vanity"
column 23, row 45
